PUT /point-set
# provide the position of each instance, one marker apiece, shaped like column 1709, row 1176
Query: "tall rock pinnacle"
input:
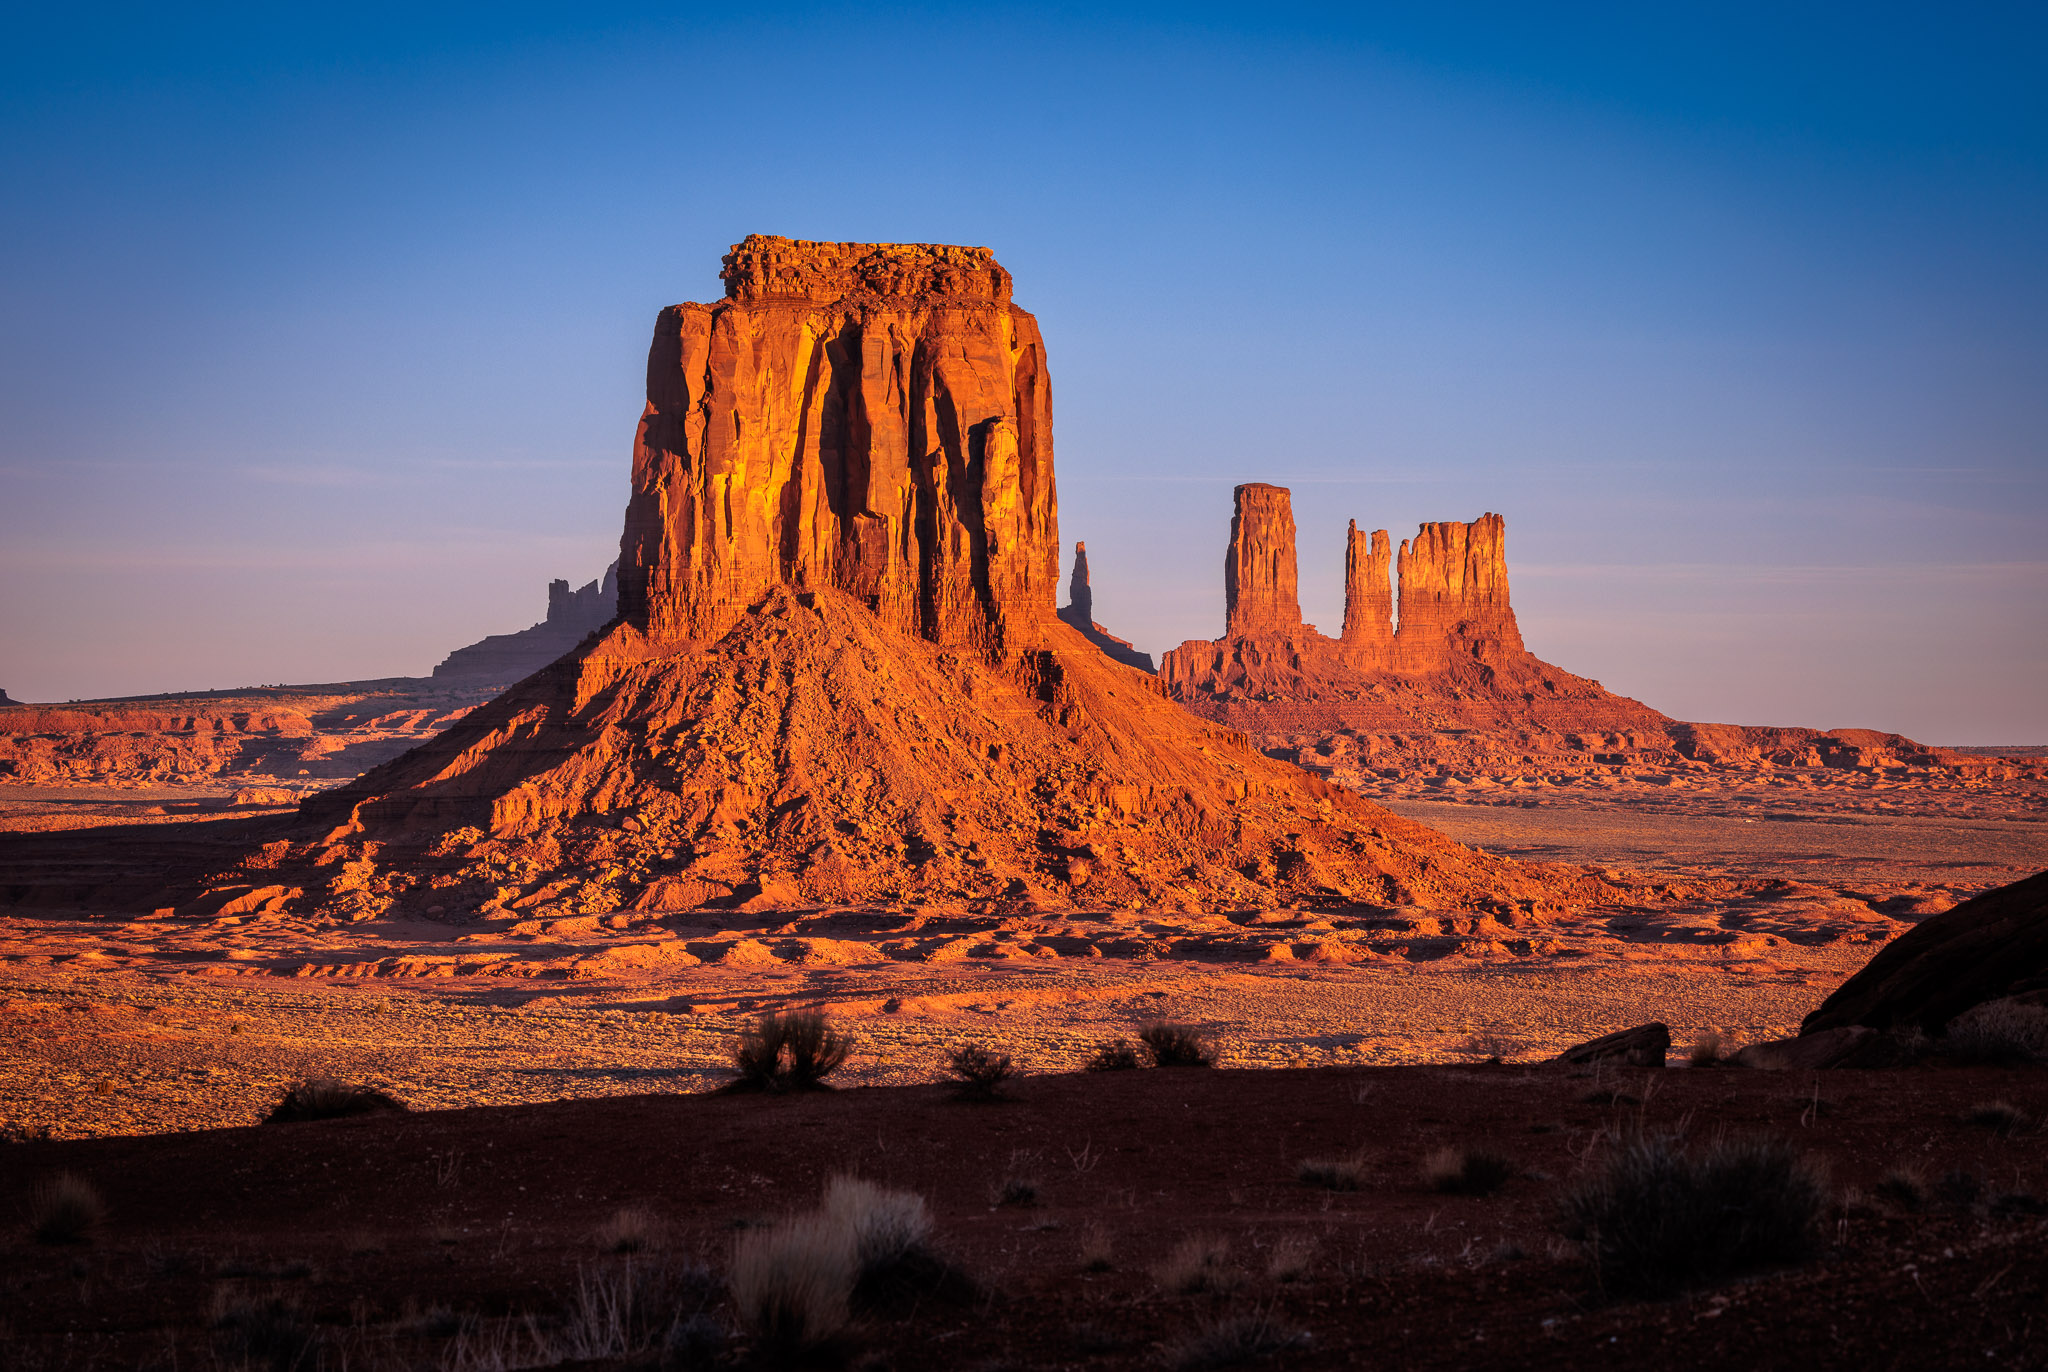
column 1080, row 596
column 1368, row 598
column 1258, row 570
column 870, row 417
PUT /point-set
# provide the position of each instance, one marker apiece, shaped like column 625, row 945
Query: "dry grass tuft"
column 1232, row 1341
column 1197, row 1265
column 894, row 1261
column 1999, row 1031
column 631, row 1229
column 1291, row 1258
column 324, row 1098
column 792, row 1285
column 1999, row 1116
column 1468, row 1171
column 1178, row 1045
column 1659, row 1219
column 978, row 1073
column 64, row 1209
column 1116, row 1055
column 1098, row 1250
column 792, row 1051
column 1706, row 1049
column 1343, row 1172
column 268, row 1329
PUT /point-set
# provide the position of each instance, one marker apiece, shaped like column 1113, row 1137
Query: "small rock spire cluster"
column 1453, row 586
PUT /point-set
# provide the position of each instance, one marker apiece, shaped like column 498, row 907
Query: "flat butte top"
column 764, row 267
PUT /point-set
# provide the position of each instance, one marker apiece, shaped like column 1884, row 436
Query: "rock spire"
column 1258, row 569
column 1079, row 613
column 1368, row 597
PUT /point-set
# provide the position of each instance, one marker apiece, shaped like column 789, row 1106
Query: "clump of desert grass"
column 1660, row 1217
column 327, row 1098
column 1706, row 1050
column 1472, row 1170
column 1292, row 1257
column 1098, row 1249
column 64, row 1209
column 1999, row 1116
column 1198, row 1265
column 629, row 1229
column 1232, row 1340
column 1020, row 1183
column 1904, row 1187
column 797, row 1285
column 978, row 1073
column 1334, row 1172
column 1178, row 1045
column 791, row 1051
column 1115, row 1055
column 2004, row 1032
column 263, row 1328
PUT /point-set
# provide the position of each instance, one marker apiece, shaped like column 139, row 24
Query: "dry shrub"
column 978, row 1073
column 1466, row 1171
column 1999, row 1031
column 1343, row 1172
column 1115, row 1055
column 631, row 1229
column 1196, row 1265
column 792, row 1051
column 325, row 1098
column 1706, row 1049
column 1659, row 1218
column 1232, row 1341
column 630, row 1308
column 1291, row 1258
column 1178, row 1045
column 1999, row 1116
column 792, row 1285
column 1491, row 1046
column 1098, row 1249
column 64, row 1209
column 893, row 1254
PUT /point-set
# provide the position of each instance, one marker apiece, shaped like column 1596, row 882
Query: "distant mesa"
column 1455, row 659
column 572, row 617
column 1079, row 614
column 837, row 673
column 6, row 699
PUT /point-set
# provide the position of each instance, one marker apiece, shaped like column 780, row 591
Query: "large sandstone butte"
column 1455, row 660
column 837, row 675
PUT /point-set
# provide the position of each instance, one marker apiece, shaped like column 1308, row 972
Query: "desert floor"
column 146, row 1025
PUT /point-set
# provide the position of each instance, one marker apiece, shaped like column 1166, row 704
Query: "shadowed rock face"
column 869, row 418
column 572, row 615
column 1990, row 947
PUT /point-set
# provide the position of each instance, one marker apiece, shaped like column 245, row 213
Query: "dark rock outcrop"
column 572, row 617
column 1079, row 614
column 1643, row 1046
column 1991, row 947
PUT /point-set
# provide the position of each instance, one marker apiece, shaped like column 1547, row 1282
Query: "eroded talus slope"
column 813, row 756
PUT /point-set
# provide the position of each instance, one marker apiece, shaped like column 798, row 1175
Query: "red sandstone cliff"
column 838, row 675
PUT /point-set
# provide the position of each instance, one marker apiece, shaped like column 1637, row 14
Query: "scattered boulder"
column 1643, row 1046
column 1991, row 947
column 1852, row 1045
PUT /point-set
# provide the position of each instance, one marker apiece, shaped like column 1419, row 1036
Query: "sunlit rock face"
column 870, row 417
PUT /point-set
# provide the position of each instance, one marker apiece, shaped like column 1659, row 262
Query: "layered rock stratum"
column 837, row 675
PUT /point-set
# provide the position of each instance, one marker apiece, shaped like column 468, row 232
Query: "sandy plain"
column 149, row 1024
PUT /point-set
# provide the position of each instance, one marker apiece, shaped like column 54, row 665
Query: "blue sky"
column 322, row 331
